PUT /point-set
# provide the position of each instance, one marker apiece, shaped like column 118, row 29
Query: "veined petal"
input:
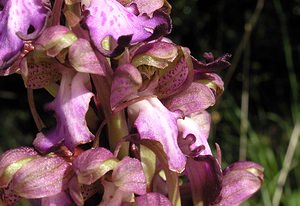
column 126, row 82
column 17, row 19
column 93, row 164
column 128, row 176
column 240, row 181
column 157, row 54
column 110, row 18
column 42, row 177
column 212, row 81
column 83, row 58
column 155, row 122
column 196, row 98
column 12, row 160
column 70, row 106
column 54, row 39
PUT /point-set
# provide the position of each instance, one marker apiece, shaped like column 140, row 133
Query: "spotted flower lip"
column 17, row 20
column 123, row 24
column 153, row 198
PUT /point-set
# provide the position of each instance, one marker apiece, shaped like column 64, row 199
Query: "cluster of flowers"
column 130, row 109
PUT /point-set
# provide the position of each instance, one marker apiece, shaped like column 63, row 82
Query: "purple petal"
column 192, row 136
column 240, row 181
column 154, row 122
column 203, row 121
column 39, row 71
column 196, row 98
column 54, row 39
column 148, row 6
column 83, row 58
column 12, row 160
column 8, row 196
column 212, row 81
column 177, row 78
column 110, row 18
column 93, row 164
column 60, row 199
column 151, row 199
column 204, row 175
column 211, row 64
column 158, row 54
column 71, row 103
column 128, row 176
column 42, row 177
column 81, row 192
column 126, row 82
column 114, row 196
column 17, row 18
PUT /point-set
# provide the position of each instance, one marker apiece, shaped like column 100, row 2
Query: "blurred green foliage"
column 268, row 71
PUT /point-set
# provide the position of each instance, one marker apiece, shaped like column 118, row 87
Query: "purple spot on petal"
column 111, row 22
column 103, row 18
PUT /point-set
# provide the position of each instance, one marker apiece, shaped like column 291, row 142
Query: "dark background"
column 265, row 69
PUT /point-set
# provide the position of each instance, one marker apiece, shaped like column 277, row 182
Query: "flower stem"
column 117, row 129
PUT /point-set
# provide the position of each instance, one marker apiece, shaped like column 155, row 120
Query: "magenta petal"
column 55, row 39
column 114, row 196
column 93, row 164
column 157, row 54
column 83, row 58
column 212, row 81
column 16, row 19
column 203, row 121
column 12, row 160
column 240, row 181
column 191, row 132
column 148, row 6
column 60, row 199
column 126, row 82
column 42, row 177
column 128, row 176
column 211, row 64
column 154, row 122
column 205, row 176
column 178, row 78
column 151, row 199
column 196, row 98
column 71, row 103
column 110, row 18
